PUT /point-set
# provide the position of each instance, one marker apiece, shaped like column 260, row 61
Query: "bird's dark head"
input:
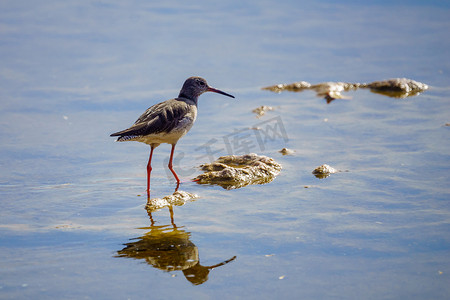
column 193, row 87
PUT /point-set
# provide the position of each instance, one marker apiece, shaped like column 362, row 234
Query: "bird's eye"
column 201, row 83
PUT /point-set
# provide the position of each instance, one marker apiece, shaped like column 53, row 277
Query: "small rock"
column 324, row 171
column 398, row 87
column 178, row 198
column 260, row 111
column 293, row 87
column 286, row 151
column 332, row 90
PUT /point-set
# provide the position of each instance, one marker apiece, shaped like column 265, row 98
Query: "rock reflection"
column 169, row 248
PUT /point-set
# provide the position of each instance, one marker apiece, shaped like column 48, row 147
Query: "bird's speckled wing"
column 161, row 117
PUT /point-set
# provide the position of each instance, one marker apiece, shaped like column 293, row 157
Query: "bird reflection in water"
column 168, row 248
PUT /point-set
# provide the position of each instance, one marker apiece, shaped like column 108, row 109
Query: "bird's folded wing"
column 135, row 130
column 158, row 118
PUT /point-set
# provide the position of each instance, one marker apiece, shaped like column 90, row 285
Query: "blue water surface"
column 72, row 218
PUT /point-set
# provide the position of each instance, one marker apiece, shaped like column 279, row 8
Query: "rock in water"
column 236, row 171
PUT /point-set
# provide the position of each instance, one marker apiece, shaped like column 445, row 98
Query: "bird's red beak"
column 210, row 89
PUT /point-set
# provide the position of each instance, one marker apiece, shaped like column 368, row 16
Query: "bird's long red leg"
column 149, row 170
column 170, row 164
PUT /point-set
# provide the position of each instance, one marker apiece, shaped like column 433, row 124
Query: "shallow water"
column 72, row 73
